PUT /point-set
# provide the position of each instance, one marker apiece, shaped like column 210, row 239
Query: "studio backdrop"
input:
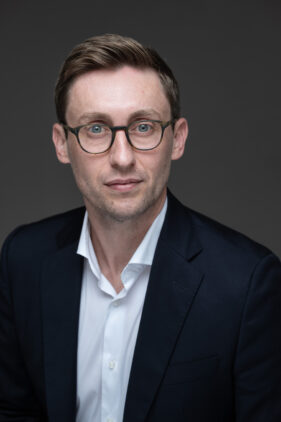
column 226, row 57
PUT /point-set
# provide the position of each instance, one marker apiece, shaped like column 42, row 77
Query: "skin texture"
column 123, row 189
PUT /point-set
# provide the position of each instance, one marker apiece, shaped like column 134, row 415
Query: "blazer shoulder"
column 45, row 235
column 188, row 227
column 224, row 241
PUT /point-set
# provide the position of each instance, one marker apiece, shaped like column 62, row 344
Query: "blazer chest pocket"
column 191, row 370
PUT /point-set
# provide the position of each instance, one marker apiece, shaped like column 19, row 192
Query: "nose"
column 121, row 153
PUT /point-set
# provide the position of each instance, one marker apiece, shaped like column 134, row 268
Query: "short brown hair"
column 111, row 51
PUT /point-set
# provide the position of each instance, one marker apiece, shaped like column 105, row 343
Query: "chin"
column 123, row 214
column 127, row 210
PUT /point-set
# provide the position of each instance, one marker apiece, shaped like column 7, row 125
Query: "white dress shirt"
column 108, row 327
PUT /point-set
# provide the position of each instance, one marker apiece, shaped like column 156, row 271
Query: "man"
column 138, row 309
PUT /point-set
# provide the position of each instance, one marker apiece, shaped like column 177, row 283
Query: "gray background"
column 226, row 56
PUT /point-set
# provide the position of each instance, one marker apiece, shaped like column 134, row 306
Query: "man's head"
column 126, row 180
column 111, row 51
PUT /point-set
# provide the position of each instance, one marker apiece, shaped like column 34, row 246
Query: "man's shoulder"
column 225, row 243
column 218, row 241
column 46, row 234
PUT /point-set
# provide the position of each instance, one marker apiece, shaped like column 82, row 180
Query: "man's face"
column 121, row 183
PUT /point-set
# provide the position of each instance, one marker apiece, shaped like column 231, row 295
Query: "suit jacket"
column 209, row 342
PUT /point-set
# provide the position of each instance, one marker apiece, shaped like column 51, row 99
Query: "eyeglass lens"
column 97, row 137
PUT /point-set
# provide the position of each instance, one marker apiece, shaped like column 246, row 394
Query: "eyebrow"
column 139, row 114
column 88, row 117
column 147, row 113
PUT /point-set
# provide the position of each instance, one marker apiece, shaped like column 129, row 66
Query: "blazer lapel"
column 172, row 287
column 60, row 296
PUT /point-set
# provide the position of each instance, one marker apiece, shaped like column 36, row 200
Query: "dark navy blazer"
column 209, row 342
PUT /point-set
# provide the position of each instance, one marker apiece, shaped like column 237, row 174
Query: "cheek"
column 158, row 165
column 83, row 167
column 164, row 157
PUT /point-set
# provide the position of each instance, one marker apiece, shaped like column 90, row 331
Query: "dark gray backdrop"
column 226, row 56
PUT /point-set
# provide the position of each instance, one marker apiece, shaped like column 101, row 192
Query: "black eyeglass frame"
column 114, row 129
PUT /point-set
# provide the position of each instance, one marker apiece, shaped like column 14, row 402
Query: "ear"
column 60, row 142
column 180, row 136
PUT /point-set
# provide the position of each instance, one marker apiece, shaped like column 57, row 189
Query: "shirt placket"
column 111, row 361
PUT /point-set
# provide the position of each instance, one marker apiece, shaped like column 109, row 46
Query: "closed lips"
column 122, row 182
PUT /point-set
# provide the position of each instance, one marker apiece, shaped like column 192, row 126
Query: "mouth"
column 123, row 185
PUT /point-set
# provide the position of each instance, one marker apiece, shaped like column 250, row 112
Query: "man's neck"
column 115, row 242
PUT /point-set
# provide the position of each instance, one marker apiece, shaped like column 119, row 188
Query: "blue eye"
column 143, row 127
column 95, row 129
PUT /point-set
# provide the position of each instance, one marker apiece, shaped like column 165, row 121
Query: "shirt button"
column 116, row 303
column 111, row 364
column 109, row 420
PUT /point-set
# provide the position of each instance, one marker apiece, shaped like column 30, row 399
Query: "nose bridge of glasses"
column 121, row 149
column 116, row 129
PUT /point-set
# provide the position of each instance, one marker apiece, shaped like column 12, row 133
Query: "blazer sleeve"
column 257, row 367
column 17, row 399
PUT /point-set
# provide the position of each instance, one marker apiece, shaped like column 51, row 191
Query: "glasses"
column 143, row 135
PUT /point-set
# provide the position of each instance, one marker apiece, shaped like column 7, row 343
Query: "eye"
column 143, row 127
column 95, row 129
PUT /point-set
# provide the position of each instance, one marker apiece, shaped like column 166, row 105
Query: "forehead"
column 120, row 91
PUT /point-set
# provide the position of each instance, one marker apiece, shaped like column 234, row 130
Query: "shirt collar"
column 85, row 247
column 144, row 253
